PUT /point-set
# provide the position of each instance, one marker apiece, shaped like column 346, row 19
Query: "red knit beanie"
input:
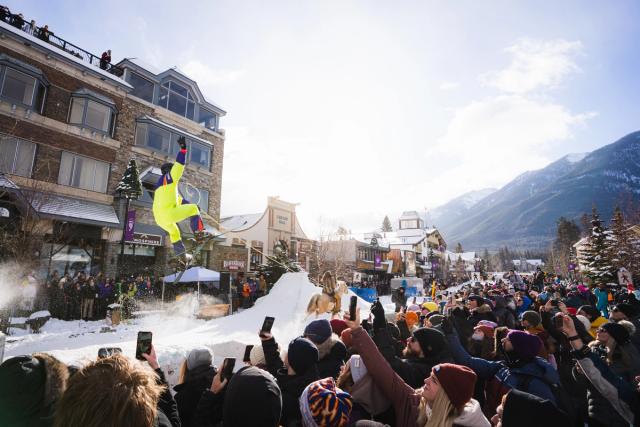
column 457, row 381
column 338, row 325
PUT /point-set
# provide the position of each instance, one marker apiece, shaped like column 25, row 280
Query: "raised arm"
column 181, row 158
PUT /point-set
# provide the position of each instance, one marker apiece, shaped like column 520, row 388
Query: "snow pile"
column 175, row 334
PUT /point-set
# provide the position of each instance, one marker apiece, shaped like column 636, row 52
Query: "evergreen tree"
column 130, row 186
column 567, row 233
column 386, row 225
column 585, row 223
column 597, row 253
column 459, row 248
column 624, row 245
column 278, row 263
column 486, row 257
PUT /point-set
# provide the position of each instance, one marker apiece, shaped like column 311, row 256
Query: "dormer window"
column 177, row 98
column 93, row 111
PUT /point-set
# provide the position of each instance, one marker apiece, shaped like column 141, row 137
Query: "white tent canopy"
column 194, row 274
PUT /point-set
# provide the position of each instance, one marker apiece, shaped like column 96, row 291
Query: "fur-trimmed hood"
column 324, row 349
column 484, row 308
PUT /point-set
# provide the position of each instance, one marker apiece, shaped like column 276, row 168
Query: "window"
column 22, row 88
column 142, row 88
column 177, row 98
column 16, row 156
column 256, row 259
column 207, row 119
column 165, row 141
column 92, row 111
column 83, row 172
column 195, row 195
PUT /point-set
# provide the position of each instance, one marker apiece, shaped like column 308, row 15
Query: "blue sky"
column 357, row 109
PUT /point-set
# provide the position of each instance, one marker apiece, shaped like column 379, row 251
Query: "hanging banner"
column 130, row 226
column 378, row 261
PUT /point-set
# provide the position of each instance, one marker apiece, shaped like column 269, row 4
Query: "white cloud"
column 449, row 86
column 493, row 140
column 536, row 65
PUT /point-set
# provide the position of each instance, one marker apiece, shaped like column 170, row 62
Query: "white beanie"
column 358, row 370
column 257, row 356
column 199, row 356
column 585, row 322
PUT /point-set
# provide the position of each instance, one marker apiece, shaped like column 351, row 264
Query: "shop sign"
column 233, row 265
column 146, row 239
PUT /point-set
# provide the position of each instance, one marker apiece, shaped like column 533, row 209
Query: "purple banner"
column 130, row 226
column 378, row 261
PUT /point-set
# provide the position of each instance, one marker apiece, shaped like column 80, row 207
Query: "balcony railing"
column 49, row 37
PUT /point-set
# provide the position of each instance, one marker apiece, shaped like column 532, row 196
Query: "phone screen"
column 108, row 351
column 227, row 367
column 267, row 324
column 352, row 307
column 143, row 346
column 247, row 353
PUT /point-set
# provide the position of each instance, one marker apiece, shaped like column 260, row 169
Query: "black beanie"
column 626, row 309
column 258, row 389
column 591, row 311
column 22, row 385
column 431, row 341
column 302, row 355
column 617, row 331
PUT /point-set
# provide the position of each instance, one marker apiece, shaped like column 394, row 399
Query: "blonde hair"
column 183, row 371
column 441, row 414
column 110, row 392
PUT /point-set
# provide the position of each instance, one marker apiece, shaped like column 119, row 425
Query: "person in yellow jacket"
column 169, row 207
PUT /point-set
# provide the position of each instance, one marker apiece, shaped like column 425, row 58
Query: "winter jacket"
column 208, row 409
column 105, row 291
column 484, row 312
column 526, row 410
column 404, row 398
column 166, row 405
column 413, row 371
column 526, row 303
column 291, row 386
column 609, row 395
column 503, row 315
column 189, row 392
column 332, row 355
column 538, row 375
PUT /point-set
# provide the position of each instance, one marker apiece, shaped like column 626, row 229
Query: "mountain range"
column 523, row 213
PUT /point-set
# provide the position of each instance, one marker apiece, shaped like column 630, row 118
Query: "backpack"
column 563, row 398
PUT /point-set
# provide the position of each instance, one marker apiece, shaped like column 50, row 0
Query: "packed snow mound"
column 174, row 335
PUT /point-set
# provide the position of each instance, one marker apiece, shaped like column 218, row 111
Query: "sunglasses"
column 601, row 330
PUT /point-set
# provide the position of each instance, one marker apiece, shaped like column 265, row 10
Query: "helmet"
column 166, row 168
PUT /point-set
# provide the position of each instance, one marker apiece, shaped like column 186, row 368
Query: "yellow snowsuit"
column 169, row 207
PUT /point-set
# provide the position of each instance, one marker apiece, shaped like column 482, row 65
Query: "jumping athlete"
column 169, row 207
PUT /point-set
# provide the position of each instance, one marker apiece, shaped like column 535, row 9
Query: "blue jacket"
column 539, row 374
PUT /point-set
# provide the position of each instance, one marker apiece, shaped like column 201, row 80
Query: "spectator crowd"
column 507, row 353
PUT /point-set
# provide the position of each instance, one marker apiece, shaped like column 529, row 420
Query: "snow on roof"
column 144, row 65
column 240, row 221
column 175, row 129
column 409, row 215
column 53, row 49
column 68, row 207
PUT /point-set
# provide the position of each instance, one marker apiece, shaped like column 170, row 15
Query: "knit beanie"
column 532, row 317
column 486, row 330
column 488, row 323
column 257, row 356
column 524, row 344
column 618, row 332
column 585, row 322
column 430, row 305
column 414, row 307
column 318, row 331
column 431, row 341
column 302, row 355
column 411, row 318
column 325, row 405
column 260, row 388
column 572, row 311
column 626, row 309
column 358, row 370
column 338, row 325
column 457, row 381
column 591, row 311
column 345, row 337
column 199, row 356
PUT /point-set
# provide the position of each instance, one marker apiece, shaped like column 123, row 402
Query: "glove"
column 182, row 143
column 447, row 326
column 379, row 321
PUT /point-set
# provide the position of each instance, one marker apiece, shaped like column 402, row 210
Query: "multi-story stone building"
column 69, row 124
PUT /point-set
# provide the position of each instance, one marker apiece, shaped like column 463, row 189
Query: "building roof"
column 409, row 215
column 62, row 54
column 77, row 210
column 465, row 256
column 240, row 222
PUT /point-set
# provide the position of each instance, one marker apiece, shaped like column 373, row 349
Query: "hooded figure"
column 331, row 351
column 260, row 391
column 30, row 387
column 196, row 375
column 520, row 409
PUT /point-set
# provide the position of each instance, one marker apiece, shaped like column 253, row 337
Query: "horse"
column 330, row 300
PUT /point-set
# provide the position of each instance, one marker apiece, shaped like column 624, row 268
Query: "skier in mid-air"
column 169, row 207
